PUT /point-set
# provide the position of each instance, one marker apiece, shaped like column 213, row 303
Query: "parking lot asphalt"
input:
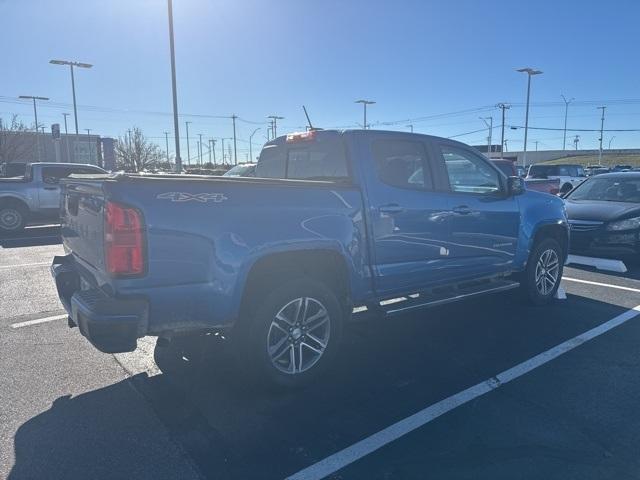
column 73, row 412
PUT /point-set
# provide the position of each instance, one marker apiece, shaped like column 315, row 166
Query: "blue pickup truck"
column 332, row 221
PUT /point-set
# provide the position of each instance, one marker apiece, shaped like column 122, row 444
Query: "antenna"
column 307, row 115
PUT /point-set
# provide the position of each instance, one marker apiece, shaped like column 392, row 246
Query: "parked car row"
column 35, row 196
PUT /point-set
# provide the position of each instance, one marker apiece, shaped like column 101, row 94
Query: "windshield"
column 608, row 190
column 241, row 171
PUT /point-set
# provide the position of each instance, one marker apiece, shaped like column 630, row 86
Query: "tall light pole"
column 503, row 107
column 566, row 110
column 88, row 130
column 251, row 144
column 489, row 125
column 213, row 149
column 166, row 140
column 73, row 82
column 274, row 125
column 530, row 72
column 66, row 138
column 35, row 114
column 364, row 105
column 601, row 132
column 188, row 149
column 611, row 140
column 576, row 139
column 410, row 127
column 172, row 52
column 200, row 148
column 235, row 152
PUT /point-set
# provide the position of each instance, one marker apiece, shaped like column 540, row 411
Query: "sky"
column 438, row 65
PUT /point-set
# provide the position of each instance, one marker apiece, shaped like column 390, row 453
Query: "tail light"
column 124, row 250
column 301, row 136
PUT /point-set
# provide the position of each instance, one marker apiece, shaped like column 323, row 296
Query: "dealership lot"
column 69, row 411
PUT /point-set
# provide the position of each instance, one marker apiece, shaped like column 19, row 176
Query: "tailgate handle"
column 50, row 188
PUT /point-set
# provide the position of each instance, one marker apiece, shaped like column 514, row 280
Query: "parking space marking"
column 25, row 265
column 345, row 457
column 38, row 321
column 599, row 284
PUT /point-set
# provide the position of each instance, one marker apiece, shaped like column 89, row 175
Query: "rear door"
column 409, row 221
column 484, row 220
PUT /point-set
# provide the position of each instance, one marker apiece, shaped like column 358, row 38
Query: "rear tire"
column 291, row 337
column 13, row 218
column 541, row 279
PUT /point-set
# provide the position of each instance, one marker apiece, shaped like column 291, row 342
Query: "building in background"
column 44, row 147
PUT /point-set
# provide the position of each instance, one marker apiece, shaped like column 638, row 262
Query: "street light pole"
column 213, row 148
column 490, row 127
column 73, row 83
column 611, row 140
column 364, row 104
column 200, row 147
column 188, row 148
column 530, row 72
column 601, row 132
column 35, row 114
column 166, row 140
column 235, row 152
column 566, row 110
column 503, row 107
column 251, row 144
column 410, row 127
column 88, row 130
column 176, row 127
column 66, row 138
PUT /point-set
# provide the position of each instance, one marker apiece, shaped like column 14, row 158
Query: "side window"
column 468, row 173
column 54, row 174
column 402, row 164
column 564, row 172
column 320, row 162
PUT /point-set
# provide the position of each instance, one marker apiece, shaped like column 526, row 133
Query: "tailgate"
column 82, row 220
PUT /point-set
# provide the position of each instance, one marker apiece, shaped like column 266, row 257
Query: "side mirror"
column 515, row 186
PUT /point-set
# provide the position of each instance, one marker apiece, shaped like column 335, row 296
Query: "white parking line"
column 378, row 440
column 38, row 321
column 25, row 265
column 598, row 284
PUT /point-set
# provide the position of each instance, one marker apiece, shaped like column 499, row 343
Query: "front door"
column 409, row 220
column 485, row 221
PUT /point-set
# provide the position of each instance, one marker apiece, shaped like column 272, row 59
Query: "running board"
column 433, row 298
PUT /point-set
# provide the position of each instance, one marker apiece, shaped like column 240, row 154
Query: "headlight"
column 628, row 224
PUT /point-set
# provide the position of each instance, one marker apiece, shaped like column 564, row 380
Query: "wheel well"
column 14, row 202
column 327, row 266
column 566, row 187
column 558, row 232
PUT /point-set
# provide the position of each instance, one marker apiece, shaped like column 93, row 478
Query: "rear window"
column 543, row 171
column 305, row 161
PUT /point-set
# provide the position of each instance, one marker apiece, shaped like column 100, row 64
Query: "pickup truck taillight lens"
column 123, row 240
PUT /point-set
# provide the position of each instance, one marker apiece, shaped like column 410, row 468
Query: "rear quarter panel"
column 204, row 235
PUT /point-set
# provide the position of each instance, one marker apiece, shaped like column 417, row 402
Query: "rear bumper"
column 111, row 324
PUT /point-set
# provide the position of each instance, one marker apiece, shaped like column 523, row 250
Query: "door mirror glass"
column 515, row 185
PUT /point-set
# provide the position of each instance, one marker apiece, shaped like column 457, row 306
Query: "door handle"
column 462, row 210
column 391, row 208
column 50, row 188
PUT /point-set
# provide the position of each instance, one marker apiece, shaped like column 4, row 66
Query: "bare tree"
column 16, row 141
column 135, row 153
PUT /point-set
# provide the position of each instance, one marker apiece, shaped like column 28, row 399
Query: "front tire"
column 13, row 218
column 292, row 335
column 544, row 272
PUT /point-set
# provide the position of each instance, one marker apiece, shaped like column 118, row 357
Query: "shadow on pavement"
column 104, row 434
column 386, row 371
column 31, row 237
